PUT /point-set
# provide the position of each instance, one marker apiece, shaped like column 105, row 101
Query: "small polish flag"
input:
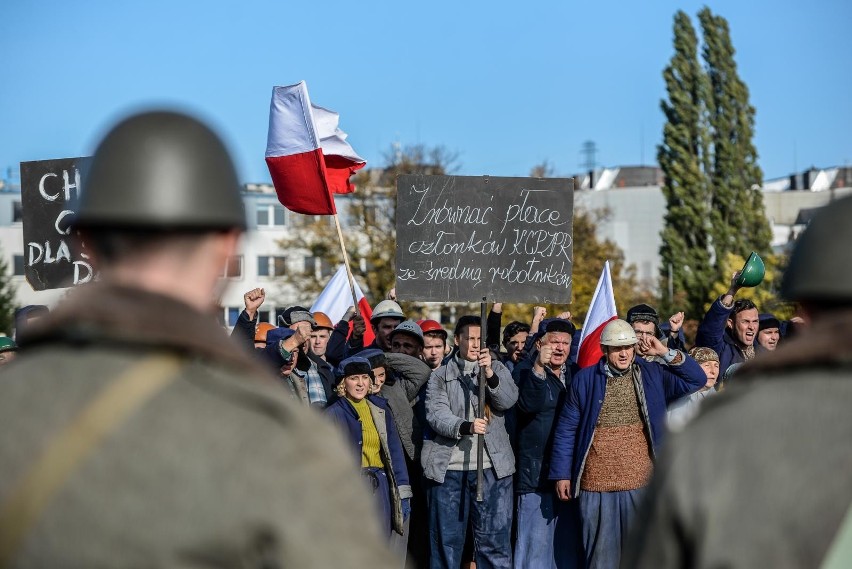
column 336, row 298
column 307, row 154
column 601, row 312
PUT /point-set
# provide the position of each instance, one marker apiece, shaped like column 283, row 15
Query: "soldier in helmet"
column 134, row 434
column 761, row 477
column 608, row 433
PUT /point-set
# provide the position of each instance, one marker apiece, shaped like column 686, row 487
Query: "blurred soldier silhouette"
column 134, row 432
column 762, row 477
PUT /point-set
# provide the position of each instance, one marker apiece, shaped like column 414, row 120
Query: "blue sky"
column 506, row 85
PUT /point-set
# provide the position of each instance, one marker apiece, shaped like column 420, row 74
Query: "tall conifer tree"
column 739, row 223
column 7, row 298
column 682, row 156
column 712, row 179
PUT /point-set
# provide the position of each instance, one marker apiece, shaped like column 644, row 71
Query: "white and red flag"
column 601, row 312
column 336, row 298
column 307, row 154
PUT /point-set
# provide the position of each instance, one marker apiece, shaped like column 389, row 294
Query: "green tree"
column 7, row 298
column 712, row 179
column 683, row 158
column 739, row 224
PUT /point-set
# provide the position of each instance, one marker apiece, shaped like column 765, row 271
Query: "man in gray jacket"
column 135, row 433
column 450, row 457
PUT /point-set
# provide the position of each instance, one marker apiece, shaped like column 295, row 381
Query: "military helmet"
column 162, row 171
column 820, row 267
column 618, row 333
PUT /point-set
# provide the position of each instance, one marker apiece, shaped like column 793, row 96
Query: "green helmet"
column 820, row 267
column 161, row 170
column 752, row 272
column 7, row 344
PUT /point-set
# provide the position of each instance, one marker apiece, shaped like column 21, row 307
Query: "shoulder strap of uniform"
column 67, row 449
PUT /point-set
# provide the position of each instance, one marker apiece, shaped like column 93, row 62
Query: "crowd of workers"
column 408, row 405
column 136, row 434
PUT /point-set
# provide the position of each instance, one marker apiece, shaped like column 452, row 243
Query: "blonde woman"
column 367, row 423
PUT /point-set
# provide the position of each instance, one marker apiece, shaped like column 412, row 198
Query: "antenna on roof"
column 589, row 150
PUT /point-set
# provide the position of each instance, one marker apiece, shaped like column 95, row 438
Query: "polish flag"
column 336, row 298
column 307, row 154
column 601, row 312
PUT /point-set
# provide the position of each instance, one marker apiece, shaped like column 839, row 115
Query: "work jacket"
column 656, row 386
column 393, row 457
column 448, row 395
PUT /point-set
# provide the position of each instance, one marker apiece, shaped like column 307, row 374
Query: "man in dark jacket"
column 245, row 327
column 609, row 431
column 135, row 433
column 761, row 477
column 546, row 534
column 730, row 328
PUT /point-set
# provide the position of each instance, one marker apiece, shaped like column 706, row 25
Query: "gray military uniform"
column 762, row 477
column 218, row 469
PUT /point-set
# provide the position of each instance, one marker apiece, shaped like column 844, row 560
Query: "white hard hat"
column 618, row 333
column 387, row 309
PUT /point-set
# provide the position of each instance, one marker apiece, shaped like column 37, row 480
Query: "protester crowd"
column 568, row 452
column 135, row 434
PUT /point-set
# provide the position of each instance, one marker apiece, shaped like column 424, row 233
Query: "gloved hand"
column 350, row 314
column 406, row 508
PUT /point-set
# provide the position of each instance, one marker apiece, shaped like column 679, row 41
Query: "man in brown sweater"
column 608, row 432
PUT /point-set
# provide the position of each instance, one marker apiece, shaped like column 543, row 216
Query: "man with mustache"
column 609, row 431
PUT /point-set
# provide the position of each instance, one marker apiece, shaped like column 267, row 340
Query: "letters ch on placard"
column 51, row 188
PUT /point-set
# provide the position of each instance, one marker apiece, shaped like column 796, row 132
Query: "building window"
column 232, row 315
column 18, row 265
column 271, row 266
column 234, row 267
column 263, row 315
column 317, row 266
column 17, row 211
column 310, row 265
column 271, row 215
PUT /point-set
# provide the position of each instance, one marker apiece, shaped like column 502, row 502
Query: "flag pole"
column 346, row 263
column 480, row 441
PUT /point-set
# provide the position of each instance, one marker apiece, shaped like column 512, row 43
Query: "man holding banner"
column 449, row 454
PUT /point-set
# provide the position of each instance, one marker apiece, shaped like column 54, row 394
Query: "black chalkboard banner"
column 463, row 238
column 49, row 189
